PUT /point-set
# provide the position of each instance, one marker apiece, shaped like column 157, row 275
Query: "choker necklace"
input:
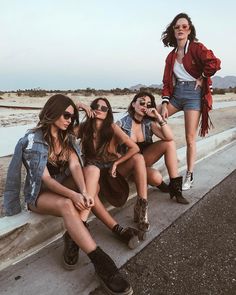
column 137, row 121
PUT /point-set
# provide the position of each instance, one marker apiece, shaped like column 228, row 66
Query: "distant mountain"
column 155, row 86
column 225, row 82
column 218, row 82
column 137, row 87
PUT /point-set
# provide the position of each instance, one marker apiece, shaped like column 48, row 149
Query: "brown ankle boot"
column 140, row 214
column 129, row 235
column 176, row 190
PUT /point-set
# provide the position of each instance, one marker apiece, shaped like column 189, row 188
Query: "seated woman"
column 140, row 124
column 55, row 186
column 100, row 138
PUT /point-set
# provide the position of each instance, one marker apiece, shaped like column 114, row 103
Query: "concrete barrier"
column 27, row 232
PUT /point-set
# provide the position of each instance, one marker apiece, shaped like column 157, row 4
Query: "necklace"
column 137, row 121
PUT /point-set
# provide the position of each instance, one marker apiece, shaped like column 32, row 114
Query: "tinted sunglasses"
column 99, row 107
column 68, row 116
column 143, row 104
column 184, row 27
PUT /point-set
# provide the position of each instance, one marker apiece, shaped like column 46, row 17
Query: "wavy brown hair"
column 88, row 129
column 131, row 110
column 168, row 36
column 52, row 110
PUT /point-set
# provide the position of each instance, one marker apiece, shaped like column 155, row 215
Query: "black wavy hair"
column 88, row 129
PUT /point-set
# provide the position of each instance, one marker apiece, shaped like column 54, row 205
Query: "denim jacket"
column 32, row 151
column 125, row 124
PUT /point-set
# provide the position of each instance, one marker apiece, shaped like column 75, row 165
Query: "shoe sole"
column 68, row 266
column 110, row 292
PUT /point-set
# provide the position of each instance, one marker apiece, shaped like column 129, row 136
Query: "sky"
column 102, row 44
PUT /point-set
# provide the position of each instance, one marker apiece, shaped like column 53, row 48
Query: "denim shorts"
column 185, row 97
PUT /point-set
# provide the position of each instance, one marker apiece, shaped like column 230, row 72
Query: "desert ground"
column 222, row 119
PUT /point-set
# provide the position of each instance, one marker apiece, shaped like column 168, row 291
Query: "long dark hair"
column 52, row 110
column 88, row 129
column 131, row 110
column 168, row 36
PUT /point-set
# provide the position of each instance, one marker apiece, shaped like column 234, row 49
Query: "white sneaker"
column 188, row 181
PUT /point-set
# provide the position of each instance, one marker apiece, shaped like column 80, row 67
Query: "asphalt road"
column 196, row 254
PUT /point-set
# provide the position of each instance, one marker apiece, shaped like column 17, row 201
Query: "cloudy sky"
column 71, row 44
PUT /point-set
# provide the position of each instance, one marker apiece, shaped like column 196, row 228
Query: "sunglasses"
column 99, row 107
column 184, row 27
column 68, row 115
column 143, row 104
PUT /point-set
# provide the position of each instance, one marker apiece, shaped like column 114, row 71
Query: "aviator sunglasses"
column 143, row 104
column 99, row 107
column 68, row 115
column 184, row 27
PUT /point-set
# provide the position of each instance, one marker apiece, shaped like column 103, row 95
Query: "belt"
column 185, row 82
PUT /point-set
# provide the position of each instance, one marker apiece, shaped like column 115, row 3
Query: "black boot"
column 163, row 187
column 129, row 235
column 176, row 190
column 71, row 251
column 108, row 273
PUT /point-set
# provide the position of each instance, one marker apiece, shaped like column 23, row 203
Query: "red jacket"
column 198, row 61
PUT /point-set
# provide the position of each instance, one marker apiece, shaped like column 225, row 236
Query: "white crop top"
column 181, row 74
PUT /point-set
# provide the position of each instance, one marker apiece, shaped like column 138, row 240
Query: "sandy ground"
column 12, row 117
column 223, row 119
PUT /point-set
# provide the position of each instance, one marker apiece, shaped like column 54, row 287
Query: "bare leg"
column 191, row 124
column 53, row 204
column 136, row 166
column 91, row 176
column 101, row 212
column 155, row 151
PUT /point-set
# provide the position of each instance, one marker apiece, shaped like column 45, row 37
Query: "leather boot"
column 140, row 214
column 176, row 190
column 129, row 235
column 163, row 187
column 70, row 253
column 108, row 273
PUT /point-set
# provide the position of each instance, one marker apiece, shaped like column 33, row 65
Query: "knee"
column 170, row 145
column 67, row 207
column 92, row 170
column 138, row 159
column 190, row 140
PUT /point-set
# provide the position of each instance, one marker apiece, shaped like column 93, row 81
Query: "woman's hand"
column 164, row 111
column 153, row 113
column 90, row 113
column 113, row 170
column 88, row 200
column 199, row 82
column 79, row 201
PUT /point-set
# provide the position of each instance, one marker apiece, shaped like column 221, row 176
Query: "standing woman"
column 55, row 186
column 100, row 138
column 186, row 83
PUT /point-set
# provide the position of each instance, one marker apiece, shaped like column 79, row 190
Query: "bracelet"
column 162, row 123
